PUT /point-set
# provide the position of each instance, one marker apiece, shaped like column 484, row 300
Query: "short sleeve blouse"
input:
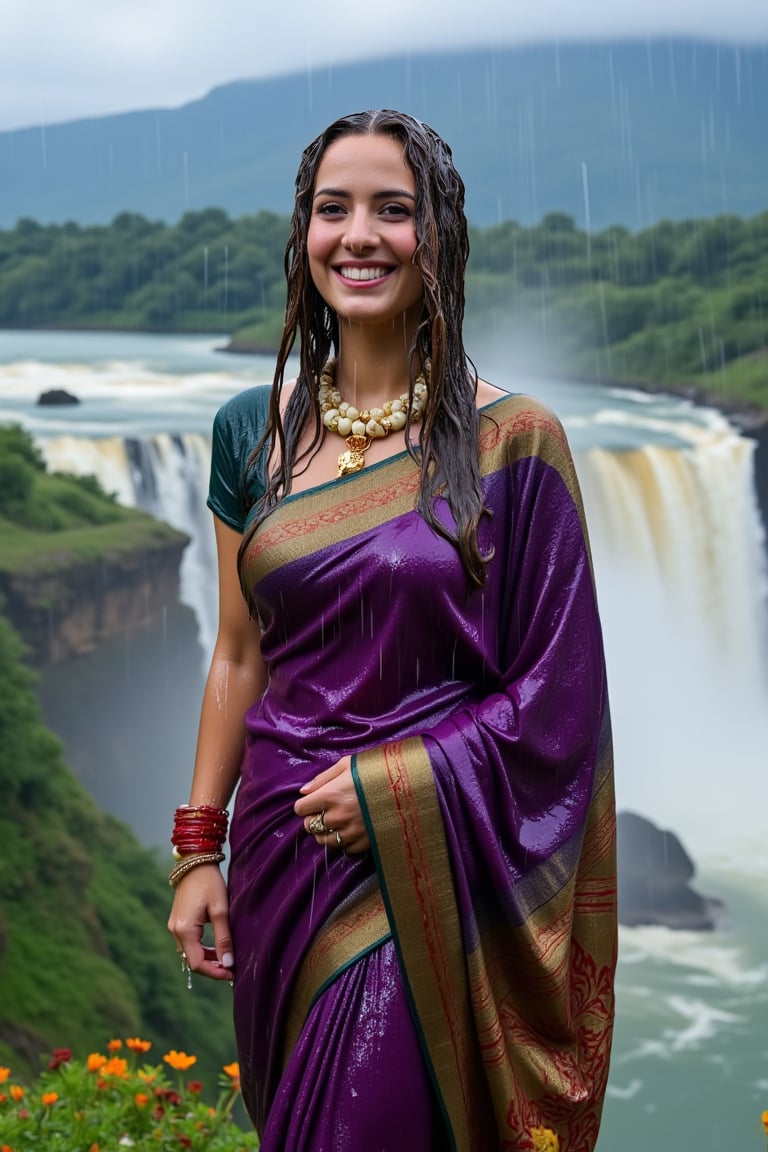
column 237, row 427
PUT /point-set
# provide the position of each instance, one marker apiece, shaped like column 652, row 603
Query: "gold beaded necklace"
column 361, row 427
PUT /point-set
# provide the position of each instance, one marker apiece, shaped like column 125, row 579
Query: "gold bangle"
column 187, row 863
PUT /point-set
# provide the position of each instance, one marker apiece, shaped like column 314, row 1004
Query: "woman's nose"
column 360, row 234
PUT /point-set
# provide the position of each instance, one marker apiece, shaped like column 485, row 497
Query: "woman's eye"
column 330, row 209
column 395, row 210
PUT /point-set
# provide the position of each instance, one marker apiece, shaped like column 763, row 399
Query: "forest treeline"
column 678, row 304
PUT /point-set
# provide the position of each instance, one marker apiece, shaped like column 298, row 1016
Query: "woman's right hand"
column 201, row 898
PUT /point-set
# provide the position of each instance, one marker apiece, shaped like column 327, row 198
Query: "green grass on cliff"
column 25, row 550
column 50, row 522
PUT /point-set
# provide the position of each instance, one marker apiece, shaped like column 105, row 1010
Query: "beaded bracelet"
column 189, row 862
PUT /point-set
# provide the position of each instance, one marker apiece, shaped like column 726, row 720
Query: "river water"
column 680, row 566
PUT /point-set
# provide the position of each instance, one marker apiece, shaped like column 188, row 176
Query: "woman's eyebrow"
column 386, row 194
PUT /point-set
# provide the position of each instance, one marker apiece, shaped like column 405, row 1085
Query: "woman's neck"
column 372, row 366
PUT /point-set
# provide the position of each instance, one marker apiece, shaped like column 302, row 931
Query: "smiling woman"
column 408, row 684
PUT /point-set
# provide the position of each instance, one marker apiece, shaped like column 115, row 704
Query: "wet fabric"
column 479, row 728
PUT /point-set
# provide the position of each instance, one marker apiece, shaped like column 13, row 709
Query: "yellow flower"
column 545, row 1140
column 4, row 1074
column 49, row 1098
column 137, row 1045
column 17, row 1093
column 114, row 1045
column 179, row 1060
column 147, row 1077
column 95, row 1061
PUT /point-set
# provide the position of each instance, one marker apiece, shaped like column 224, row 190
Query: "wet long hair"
column 447, row 447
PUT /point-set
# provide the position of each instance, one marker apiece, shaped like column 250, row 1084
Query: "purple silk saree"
column 452, row 988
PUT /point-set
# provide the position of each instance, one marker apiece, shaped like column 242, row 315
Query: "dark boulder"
column 655, row 872
column 57, row 398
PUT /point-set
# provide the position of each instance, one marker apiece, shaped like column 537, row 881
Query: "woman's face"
column 362, row 232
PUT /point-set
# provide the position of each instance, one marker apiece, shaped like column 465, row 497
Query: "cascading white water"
column 679, row 557
column 679, row 560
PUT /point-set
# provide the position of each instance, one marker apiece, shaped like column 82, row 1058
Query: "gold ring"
column 318, row 827
column 339, row 841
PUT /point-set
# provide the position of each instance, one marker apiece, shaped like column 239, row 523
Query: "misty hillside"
column 626, row 133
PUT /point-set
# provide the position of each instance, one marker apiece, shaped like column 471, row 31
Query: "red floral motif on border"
column 573, row 1088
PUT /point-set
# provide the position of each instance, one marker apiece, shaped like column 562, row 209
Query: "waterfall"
column 167, row 476
column 680, row 566
column 679, row 553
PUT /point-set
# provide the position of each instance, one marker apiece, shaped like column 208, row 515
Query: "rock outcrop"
column 655, row 872
column 56, row 398
column 69, row 610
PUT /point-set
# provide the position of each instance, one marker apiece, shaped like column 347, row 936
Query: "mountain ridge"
column 626, row 132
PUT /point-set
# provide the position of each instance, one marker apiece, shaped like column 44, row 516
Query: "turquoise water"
column 690, row 1059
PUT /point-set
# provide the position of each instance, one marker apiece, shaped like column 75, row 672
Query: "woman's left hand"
column 332, row 797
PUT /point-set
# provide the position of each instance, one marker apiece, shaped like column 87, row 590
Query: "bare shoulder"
column 488, row 393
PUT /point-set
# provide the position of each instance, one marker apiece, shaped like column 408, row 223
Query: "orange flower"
column 95, row 1061
column 147, row 1077
column 764, row 1119
column 232, row 1070
column 114, row 1045
column 179, row 1060
column 141, row 1099
column 49, row 1098
column 137, row 1045
column 116, row 1066
column 17, row 1093
column 5, row 1148
column 4, row 1074
column 93, row 1148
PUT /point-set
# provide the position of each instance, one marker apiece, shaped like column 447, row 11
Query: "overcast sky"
column 65, row 59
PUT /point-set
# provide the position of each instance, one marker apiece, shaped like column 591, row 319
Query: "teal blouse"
column 234, row 486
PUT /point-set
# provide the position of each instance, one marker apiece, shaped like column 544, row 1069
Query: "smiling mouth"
column 355, row 272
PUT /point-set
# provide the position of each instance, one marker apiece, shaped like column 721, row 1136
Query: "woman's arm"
column 236, row 679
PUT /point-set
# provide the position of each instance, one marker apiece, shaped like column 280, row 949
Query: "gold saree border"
column 357, row 929
column 396, row 783
column 517, row 1033
column 512, row 428
column 546, row 1020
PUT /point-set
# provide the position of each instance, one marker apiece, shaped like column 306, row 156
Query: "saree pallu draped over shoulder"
column 483, row 920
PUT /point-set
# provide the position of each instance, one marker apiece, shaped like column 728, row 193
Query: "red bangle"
column 198, row 828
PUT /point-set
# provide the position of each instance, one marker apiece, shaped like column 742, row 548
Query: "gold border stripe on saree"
column 512, row 428
column 356, row 930
column 400, row 804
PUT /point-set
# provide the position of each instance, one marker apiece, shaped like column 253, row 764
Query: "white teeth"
column 352, row 272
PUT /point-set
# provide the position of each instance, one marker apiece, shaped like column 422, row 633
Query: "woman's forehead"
column 368, row 157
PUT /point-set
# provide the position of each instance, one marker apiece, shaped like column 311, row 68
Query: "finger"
column 225, row 951
column 325, row 776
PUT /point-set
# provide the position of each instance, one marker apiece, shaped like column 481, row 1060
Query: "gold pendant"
column 353, row 459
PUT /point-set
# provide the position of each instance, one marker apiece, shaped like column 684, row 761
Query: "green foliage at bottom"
column 105, row 1102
